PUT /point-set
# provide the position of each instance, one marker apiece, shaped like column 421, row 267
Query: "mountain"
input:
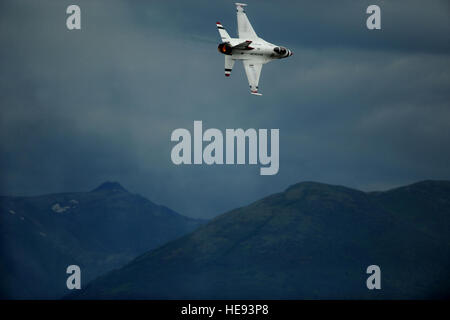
column 98, row 230
column 312, row 241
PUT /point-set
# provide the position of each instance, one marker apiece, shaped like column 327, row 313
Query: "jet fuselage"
column 260, row 50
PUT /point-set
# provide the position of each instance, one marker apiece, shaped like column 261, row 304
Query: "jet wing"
column 253, row 71
column 245, row 29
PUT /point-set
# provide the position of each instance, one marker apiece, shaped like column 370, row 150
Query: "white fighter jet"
column 248, row 47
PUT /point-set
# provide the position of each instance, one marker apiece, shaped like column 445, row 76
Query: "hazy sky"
column 365, row 109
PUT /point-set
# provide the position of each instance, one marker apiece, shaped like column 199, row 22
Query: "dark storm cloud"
column 367, row 109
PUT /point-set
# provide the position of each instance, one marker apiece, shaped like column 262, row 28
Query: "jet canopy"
column 280, row 50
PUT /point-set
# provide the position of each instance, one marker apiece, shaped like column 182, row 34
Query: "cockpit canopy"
column 280, row 50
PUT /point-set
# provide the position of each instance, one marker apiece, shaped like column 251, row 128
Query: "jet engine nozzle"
column 225, row 48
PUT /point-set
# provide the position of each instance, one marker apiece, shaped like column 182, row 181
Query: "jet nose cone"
column 291, row 53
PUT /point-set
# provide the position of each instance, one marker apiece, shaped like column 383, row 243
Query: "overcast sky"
column 365, row 109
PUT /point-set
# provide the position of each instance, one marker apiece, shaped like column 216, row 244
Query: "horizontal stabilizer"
column 229, row 63
column 223, row 33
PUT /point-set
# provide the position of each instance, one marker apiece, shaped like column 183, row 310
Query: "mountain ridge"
column 99, row 230
column 110, row 186
column 310, row 241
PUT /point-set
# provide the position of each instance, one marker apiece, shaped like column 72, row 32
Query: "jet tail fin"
column 223, row 33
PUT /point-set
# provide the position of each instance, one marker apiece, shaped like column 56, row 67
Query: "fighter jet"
column 248, row 47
